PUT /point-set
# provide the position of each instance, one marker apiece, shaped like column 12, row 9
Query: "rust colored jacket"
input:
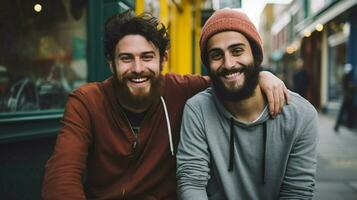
column 96, row 144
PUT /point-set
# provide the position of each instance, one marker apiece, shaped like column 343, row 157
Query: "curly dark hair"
column 122, row 24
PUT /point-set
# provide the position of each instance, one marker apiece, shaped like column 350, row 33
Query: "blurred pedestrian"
column 300, row 78
column 346, row 109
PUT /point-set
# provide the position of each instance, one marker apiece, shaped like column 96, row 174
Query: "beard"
column 140, row 99
column 251, row 74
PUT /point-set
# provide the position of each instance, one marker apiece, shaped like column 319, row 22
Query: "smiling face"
column 232, row 67
column 137, row 68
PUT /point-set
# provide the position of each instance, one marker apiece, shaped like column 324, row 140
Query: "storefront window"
column 42, row 53
column 337, row 41
column 337, row 63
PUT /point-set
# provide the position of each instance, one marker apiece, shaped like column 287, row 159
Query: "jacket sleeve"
column 192, row 157
column 64, row 170
column 195, row 84
column 299, row 179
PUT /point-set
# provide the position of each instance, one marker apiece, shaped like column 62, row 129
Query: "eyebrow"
column 124, row 54
column 148, row 52
column 236, row 45
column 229, row 47
column 130, row 54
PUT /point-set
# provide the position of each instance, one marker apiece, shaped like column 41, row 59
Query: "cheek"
column 121, row 70
column 246, row 59
column 154, row 66
column 214, row 65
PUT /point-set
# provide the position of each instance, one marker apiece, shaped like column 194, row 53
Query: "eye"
column 125, row 58
column 147, row 57
column 237, row 51
column 215, row 55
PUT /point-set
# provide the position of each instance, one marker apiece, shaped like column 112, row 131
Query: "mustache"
column 145, row 74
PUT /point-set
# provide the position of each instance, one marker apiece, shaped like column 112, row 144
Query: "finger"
column 270, row 97
column 282, row 99
column 276, row 101
column 287, row 96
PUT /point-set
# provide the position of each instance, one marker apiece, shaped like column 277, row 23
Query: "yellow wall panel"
column 139, row 6
column 181, row 37
column 197, row 32
column 183, row 19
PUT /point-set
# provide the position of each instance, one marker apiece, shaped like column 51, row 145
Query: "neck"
column 248, row 109
column 135, row 110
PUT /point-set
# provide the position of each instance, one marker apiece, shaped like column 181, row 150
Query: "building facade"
column 323, row 34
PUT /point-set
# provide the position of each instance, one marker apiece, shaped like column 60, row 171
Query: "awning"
column 325, row 17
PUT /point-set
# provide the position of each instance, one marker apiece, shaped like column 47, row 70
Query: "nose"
column 138, row 66
column 228, row 61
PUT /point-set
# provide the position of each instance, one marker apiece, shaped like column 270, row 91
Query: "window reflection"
column 42, row 53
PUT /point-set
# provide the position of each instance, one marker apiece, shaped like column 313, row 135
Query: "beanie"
column 231, row 20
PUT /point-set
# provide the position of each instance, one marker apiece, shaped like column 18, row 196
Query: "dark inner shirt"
column 135, row 119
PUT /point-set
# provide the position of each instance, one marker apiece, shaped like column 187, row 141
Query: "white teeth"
column 231, row 75
column 138, row 80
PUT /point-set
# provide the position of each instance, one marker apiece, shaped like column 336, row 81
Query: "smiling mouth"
column 139, row 80
column 232, row 73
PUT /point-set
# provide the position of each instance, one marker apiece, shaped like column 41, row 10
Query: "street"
column 337, row 162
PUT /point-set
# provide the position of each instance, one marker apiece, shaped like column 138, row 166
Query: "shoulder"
column 92, row 90
column 202, row 100
column 299, row 110
column 299, row 119
column 300, row 104
column 185, row 85
column 181, row 80
column 87, row 90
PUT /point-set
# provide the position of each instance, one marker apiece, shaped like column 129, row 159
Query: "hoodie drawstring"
column 231, row 148
column 265, row 133
column 168, row 126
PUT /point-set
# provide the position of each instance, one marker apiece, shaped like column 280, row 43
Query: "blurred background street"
column 50, row 48
column 337, row 162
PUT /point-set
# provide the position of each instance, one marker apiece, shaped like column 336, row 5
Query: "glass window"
column 42, row 53
column 337, row 63
column 337, row 41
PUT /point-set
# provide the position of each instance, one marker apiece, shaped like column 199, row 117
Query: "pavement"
column 337, row 162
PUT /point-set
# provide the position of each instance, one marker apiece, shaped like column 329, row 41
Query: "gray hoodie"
column 220, row 157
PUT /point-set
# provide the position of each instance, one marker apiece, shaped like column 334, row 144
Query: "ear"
column 164, row 60
column 110, row 63
column 165, row 57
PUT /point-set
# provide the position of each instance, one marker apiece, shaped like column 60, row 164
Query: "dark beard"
column 138, row 102
column 251, row 74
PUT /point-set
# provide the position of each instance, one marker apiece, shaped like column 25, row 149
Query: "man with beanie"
column 230, row 148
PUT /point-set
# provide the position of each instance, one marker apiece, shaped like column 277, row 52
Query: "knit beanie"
column 231, row 20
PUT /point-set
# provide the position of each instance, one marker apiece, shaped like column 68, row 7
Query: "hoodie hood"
column 263, row 117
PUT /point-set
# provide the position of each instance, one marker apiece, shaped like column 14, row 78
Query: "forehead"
column 135, row 44
column 224, row 39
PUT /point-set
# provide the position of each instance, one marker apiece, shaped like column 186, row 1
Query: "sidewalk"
column 337, row 162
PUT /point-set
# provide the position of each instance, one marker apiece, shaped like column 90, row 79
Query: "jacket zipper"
column 134, row 145
column 132, row 131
